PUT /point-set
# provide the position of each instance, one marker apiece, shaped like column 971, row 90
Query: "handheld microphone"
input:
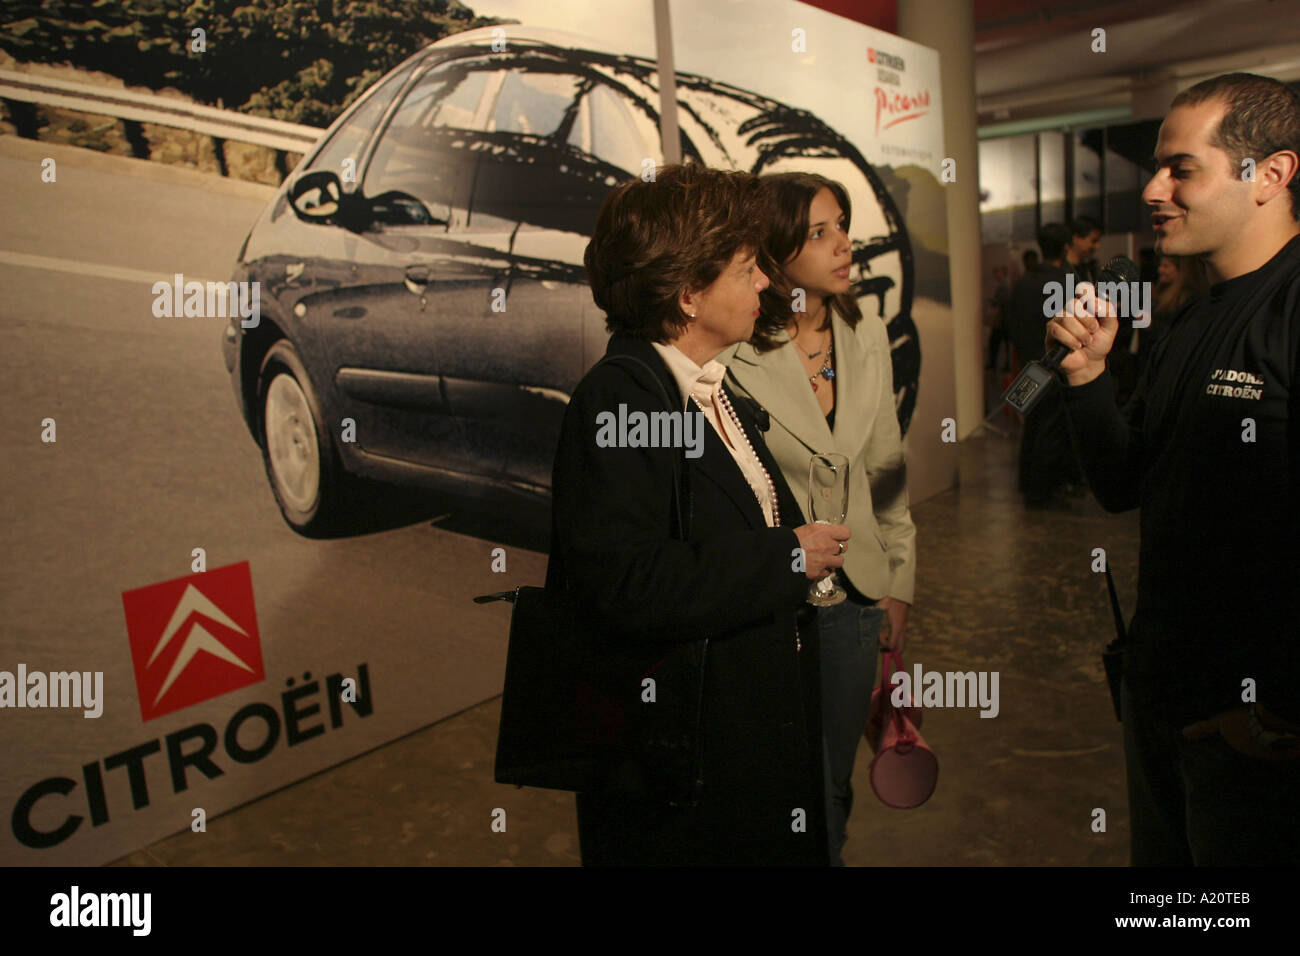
column 1037, row 377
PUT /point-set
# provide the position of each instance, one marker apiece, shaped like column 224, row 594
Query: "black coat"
column 731, row 581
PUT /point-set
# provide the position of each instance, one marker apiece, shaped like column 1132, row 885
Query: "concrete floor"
column 999, row 588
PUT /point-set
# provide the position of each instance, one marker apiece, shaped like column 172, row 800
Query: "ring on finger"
column 842, row 548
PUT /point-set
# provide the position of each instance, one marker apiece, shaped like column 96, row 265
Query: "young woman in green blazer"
column 822, row 371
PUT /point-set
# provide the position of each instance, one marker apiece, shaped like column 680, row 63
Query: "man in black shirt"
column 1209, row 449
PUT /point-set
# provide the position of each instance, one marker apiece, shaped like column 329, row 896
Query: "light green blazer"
column 881, row 558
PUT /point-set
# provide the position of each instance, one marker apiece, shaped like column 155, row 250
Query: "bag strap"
column 668, row 403
column 893, row 662
column 1121, row 633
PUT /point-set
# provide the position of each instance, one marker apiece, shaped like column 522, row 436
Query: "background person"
column 825, row 379
column 1029, row 261
column 996, row 319
column 1211, row 691
column 1179, row 279
column 1081, row 259
column 1081, row 250
column 671, row 263
column 1047, row 466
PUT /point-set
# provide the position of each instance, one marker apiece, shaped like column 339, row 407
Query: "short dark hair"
column 1261, row 117
column 1053, row 237
column 1083, row 225
column 1029, row 255
column 789, row 197
column 654, row 240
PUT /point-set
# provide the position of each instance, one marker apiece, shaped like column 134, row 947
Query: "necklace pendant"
column 814, row 385
column 828, row 373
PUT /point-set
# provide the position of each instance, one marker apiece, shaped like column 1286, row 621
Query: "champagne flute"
column 828, row 503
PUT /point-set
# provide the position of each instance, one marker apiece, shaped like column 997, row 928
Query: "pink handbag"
column 880, row 704
column 905, row 770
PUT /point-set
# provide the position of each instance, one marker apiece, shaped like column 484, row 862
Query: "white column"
column 670, row 139
column 948, row 26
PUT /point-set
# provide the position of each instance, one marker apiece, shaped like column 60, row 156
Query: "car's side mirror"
column 317, row 196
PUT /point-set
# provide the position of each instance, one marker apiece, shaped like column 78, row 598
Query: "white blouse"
column 705, row 386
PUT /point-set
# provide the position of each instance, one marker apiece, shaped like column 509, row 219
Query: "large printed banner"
column 862, row 107
column 185, row 631
column 171, row 648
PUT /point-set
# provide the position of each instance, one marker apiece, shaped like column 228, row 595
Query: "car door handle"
column 417, row 279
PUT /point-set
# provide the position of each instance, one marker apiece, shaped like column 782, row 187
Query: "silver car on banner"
column 424, row 309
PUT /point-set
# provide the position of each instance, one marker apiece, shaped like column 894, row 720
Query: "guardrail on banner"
column 162, row 110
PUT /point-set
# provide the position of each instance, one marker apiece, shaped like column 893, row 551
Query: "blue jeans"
column 849, row 646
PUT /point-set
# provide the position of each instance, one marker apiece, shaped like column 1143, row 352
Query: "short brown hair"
column 1261, row 117
column 657, row 239
column 789, row 197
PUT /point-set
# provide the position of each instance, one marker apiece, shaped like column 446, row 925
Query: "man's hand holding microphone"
column 1078, row 339
column 1087, row 326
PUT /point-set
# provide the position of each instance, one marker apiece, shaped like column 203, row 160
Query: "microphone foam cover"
column 1120, row 269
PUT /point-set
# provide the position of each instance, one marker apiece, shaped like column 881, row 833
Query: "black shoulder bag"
column 587, row 706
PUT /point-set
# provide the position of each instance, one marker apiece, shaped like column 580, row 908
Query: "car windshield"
column 414, row 157
column 348, row 139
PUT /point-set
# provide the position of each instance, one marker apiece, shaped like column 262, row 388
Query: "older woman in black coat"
column 672, row 264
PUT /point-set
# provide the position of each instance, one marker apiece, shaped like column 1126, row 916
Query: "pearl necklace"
column 771, row 485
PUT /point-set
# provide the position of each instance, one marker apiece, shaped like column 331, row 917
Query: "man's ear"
column 1274, row 174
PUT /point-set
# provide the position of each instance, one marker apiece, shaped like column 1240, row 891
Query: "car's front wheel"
column 301, row 462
